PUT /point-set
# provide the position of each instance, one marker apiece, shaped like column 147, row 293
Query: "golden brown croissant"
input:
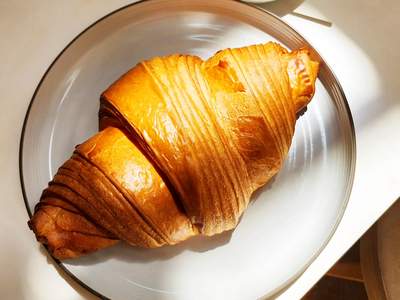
column 183, row 145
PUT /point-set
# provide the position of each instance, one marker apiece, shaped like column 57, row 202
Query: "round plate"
column 288, row 222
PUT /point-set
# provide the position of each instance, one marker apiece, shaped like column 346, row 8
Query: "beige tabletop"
column 360, row 41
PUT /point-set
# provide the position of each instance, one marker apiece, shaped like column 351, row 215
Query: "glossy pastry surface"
column 184, row 144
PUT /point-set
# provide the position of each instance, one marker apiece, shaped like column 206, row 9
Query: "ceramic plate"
column 288, row 222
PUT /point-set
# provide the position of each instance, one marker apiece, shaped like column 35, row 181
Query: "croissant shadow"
column 257, row 193
column 126, row 253
column 199, row 244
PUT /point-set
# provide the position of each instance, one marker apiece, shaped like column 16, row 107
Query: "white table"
column 362, row 46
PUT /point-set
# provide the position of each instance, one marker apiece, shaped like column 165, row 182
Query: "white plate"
column 286, row 225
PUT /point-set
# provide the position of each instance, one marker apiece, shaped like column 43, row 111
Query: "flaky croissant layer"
column 183, row 145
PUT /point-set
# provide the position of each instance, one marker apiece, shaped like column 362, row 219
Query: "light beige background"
column 362, row 45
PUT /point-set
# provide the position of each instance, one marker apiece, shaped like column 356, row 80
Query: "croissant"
column 183, row 145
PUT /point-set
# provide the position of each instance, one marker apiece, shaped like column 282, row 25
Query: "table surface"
column 359, row 39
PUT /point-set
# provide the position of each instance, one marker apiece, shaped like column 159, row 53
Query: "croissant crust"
column 183, row 145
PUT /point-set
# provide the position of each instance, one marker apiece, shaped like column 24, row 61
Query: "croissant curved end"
column 302, row 72
column 57, row 228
